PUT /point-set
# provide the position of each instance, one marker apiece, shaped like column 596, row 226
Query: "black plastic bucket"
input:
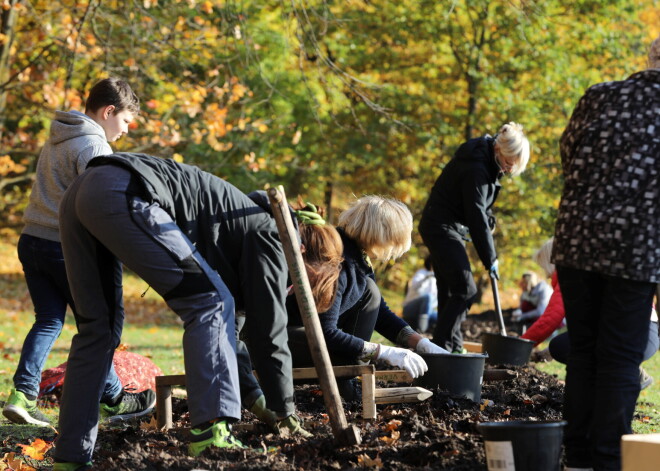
column 523, row 445
column 460, row 375
column 503, row 350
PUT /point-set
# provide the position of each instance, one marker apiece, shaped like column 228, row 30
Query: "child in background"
column 75, row 139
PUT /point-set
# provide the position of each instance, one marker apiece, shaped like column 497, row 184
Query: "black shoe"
column 129, row 405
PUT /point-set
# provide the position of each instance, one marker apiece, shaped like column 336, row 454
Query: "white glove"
column 403, row 358
column 426, row 346
column 516, row 315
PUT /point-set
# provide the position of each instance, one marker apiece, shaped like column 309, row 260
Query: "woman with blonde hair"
column 461, row 202
column 372, row 227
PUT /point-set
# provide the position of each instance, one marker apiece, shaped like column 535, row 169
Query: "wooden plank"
column 163, row 406
column 394, row 376
column 348, row 371
column 398, row 395
column 473, row 347
column 171, row 380
column 368, row 396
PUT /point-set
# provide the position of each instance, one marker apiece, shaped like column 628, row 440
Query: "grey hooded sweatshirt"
column 74, row 140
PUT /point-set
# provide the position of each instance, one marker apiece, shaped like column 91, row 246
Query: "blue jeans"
column 45, row 275
column 608, row 328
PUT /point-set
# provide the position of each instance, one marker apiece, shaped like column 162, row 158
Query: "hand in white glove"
column 403, row 358
column 426, row 346
column 516, row 315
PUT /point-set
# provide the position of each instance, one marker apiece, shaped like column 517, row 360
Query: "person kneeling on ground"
column 350, row 304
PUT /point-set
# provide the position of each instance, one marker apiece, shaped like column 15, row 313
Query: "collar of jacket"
column 648, row 75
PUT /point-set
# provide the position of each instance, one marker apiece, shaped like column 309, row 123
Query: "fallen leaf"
column 151, row 425
column 392, row 425
column 365, row 461
column 391, row 440
column 36, row 449
column 11, row 463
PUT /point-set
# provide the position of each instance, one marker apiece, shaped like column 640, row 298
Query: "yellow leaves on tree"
column 7, row 166
column 207, row 7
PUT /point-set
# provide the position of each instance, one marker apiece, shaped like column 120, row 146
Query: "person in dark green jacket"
column 207, row 249
column 459, row 208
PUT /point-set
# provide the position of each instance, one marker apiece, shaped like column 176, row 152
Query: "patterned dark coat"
column 609, row 216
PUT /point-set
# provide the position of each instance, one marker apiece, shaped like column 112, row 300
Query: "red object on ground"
column 136, row 372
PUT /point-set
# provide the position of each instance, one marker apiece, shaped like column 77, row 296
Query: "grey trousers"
column 101, row 226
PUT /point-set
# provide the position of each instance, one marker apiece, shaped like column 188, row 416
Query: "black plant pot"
column 504, row 350
column 460, row 375
column 523, row 445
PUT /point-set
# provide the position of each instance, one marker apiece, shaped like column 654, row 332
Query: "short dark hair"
column 115, row 92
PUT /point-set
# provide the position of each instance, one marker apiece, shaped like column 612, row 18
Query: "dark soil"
column 439, row 433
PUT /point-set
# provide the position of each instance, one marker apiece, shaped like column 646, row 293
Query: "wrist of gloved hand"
column 426, row 346
column 369, row 351
column 403, row 358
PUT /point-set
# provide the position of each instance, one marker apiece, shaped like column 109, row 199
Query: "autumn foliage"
column 331, row 99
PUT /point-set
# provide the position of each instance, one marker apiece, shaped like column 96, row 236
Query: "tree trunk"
column 7, row 25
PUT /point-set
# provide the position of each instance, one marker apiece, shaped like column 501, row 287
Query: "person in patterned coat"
column 607, row 253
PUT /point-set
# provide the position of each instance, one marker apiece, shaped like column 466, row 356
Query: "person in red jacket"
column 553, row 318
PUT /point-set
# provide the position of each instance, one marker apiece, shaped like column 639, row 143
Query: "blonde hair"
column 512, row 144
column 381, row 226
column 542, row 257
column 654, row 54
column 529, row 280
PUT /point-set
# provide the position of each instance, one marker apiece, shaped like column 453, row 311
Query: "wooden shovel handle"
column 342, row 432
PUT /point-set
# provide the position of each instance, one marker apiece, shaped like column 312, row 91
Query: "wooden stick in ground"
column 496, row 299
column 345, row 434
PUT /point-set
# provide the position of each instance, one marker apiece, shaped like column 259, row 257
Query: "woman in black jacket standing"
column 461, row 203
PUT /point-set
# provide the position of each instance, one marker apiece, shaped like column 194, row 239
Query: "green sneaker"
column 20, row 410
column 129, row 406
column 72, row 466
column 293, row 424
column 217, row 435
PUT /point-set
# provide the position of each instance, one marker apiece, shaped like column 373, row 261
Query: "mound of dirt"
column 439, row 433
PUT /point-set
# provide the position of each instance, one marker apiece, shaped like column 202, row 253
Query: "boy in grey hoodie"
column 75, row 139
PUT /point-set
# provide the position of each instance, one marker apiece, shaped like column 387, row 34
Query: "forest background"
column 332, row 99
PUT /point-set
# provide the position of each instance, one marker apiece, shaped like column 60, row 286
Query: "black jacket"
column 463, row 196
column 225, row 225
column 351, row 287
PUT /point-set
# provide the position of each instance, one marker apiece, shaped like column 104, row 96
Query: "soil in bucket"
column 503, row 350
column 523, row 445
column 460, row 375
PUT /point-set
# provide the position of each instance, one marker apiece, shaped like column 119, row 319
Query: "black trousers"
column 608, row 327
column 456, row 289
